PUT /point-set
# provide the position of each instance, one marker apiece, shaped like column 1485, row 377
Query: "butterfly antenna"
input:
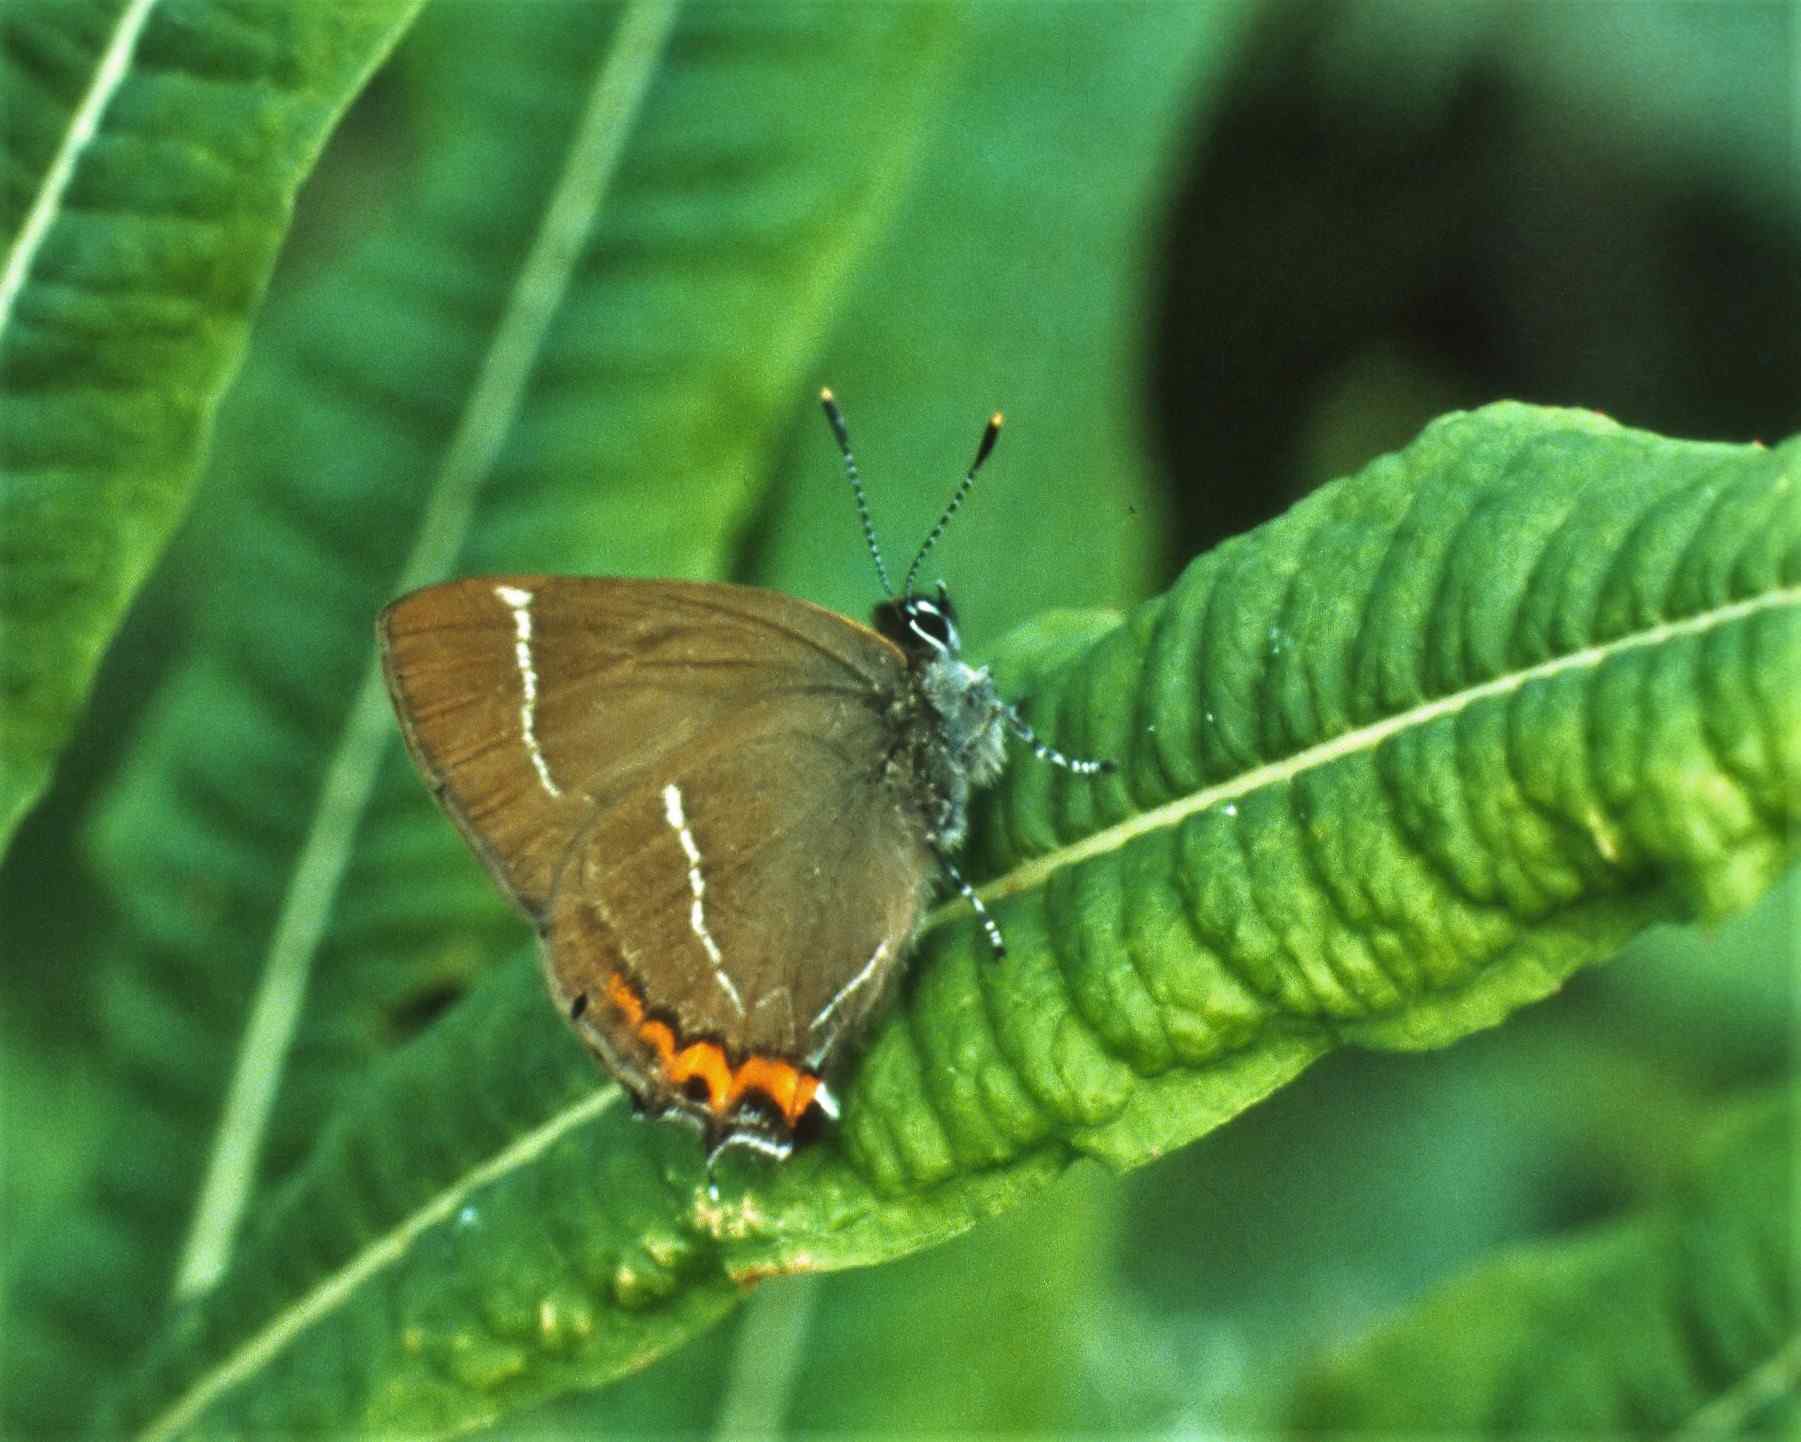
column 835, row 418
column 989, row 437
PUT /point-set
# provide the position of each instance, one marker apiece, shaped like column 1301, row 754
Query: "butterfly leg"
column 968, row 893
column 1044, row 751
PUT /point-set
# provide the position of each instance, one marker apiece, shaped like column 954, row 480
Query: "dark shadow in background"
column 1344, row 264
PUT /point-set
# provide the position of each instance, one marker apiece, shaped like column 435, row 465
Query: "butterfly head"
column 924, row 627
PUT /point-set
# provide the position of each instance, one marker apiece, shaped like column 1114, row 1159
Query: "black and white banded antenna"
column 835, row 418
column 989, row 437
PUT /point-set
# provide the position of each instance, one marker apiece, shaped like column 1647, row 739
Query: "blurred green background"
column 1206, row 256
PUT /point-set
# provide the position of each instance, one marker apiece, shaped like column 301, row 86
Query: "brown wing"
column 691, row 788
column 757, row 893
column 533, row 703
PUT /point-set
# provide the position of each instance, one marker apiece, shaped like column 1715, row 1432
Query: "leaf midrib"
column 337, row 1288
column 385, row 1250
column 1037, row 872
column 84, row 124
column 349, row 777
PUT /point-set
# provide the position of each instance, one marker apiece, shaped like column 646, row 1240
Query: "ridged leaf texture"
column 1392, row 767
column 152, row 155
column 358, row 1175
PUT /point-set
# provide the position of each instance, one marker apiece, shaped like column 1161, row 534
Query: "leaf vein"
column 1033, row 873
column 109, row 75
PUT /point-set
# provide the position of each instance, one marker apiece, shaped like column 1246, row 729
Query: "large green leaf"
column 1393, row 766
column 577, row 324
column 1682, row 1319
column 152, row 155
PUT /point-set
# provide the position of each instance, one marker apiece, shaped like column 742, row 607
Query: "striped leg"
column 969, row 894
column 1044, row 751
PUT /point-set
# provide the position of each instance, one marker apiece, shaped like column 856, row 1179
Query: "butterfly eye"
column 931, row 624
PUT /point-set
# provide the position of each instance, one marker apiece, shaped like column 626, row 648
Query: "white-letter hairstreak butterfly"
column 722, row 807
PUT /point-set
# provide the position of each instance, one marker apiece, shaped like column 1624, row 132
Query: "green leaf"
column 572, row 331
column 153, row 152
column 1393, row 766
column 1680, row 1319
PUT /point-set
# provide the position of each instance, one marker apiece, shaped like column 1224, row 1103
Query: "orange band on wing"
column 785, row 1084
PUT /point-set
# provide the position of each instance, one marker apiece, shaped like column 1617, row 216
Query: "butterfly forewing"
column 532, row 701
column 465, row 683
